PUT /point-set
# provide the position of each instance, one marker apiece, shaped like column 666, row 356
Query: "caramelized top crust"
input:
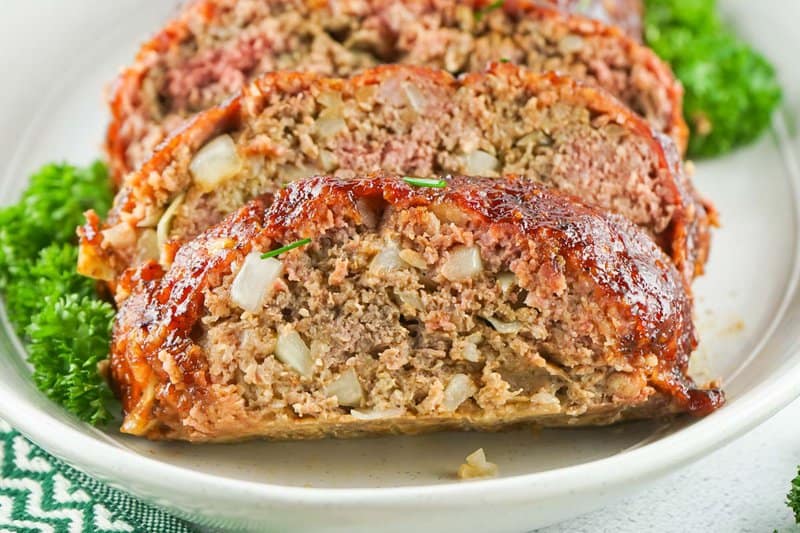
column 632, row 279
column 132, row 86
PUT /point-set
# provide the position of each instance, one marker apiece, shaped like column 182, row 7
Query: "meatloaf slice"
column 216, row 46
column 405, row 120
column 483, row 304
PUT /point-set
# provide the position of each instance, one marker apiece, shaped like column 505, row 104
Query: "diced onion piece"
column 531, row 139
column 469, row 350
column 330, row 122
column 547, row 401
column 331, row 100
column 319, row 349
column 506, row 280
column 414, row 96
column 369, row 217
column 476, row 465
column 504, row 328
column 165, row 222
column 293, row 172
column 414, row 259
column 139, row 420
column 255, row 281
column 376, row 415
column 346, row 388
column 292, row 350
column 570, row 44
column 411, row 299
column 223, row 243
column 215, row 162
column 464, row 263
column 365, row 94
column 480, row 163
column 120, row 235
column 147, row 246
column 149, row 219
column 449, row 213
column 387, row 259
column 458, row 390
column 327, row 160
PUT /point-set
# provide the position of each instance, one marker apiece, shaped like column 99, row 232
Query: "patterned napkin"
column 39, row 493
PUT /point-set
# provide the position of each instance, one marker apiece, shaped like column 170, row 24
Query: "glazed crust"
column 163, row 358
column 144, row 113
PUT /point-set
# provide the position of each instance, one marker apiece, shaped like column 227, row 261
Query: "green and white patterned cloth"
column 39, row 493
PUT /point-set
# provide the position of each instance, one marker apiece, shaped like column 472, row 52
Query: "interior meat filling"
column 243, row 39
column 416, row 127
column 375, row 336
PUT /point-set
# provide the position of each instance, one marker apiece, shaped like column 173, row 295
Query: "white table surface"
column 739, row 488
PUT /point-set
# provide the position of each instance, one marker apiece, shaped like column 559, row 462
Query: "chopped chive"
column 504, row 60
column 279, row 251
column 479, row 14
column 425, row 182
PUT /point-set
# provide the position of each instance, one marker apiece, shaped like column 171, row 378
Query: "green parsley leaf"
column 793, row 498
column 68, row 340
column 282, row 249
column 731, row 89
column 49, row 211
column 482, row 12
column 434, row 183
column 51, row 274
column 55, row 311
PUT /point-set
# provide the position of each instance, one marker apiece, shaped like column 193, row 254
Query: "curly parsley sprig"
column 65, row 327
column 793, row 498
column 730, row 89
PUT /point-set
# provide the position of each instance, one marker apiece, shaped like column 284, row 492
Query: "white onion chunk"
column 215, row 162
column 255, row 281
column 464, row 263
column 292, row 350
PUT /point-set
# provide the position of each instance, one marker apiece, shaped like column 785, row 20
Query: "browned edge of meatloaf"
column 135, row 83
column 595, row 320
column 147, row 192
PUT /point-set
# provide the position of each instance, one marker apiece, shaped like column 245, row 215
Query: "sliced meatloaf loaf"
column 406, row 120
column 216, row 46
column 402, row 309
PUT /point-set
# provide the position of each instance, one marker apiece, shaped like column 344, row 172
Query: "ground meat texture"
column 214, row 47
column 480, row 305
column 406, row 120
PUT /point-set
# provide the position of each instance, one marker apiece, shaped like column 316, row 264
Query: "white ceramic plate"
column 56, row 57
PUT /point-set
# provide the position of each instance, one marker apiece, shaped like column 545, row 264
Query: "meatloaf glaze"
column 483, row 304
column 405, row 120
column 216, row 46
